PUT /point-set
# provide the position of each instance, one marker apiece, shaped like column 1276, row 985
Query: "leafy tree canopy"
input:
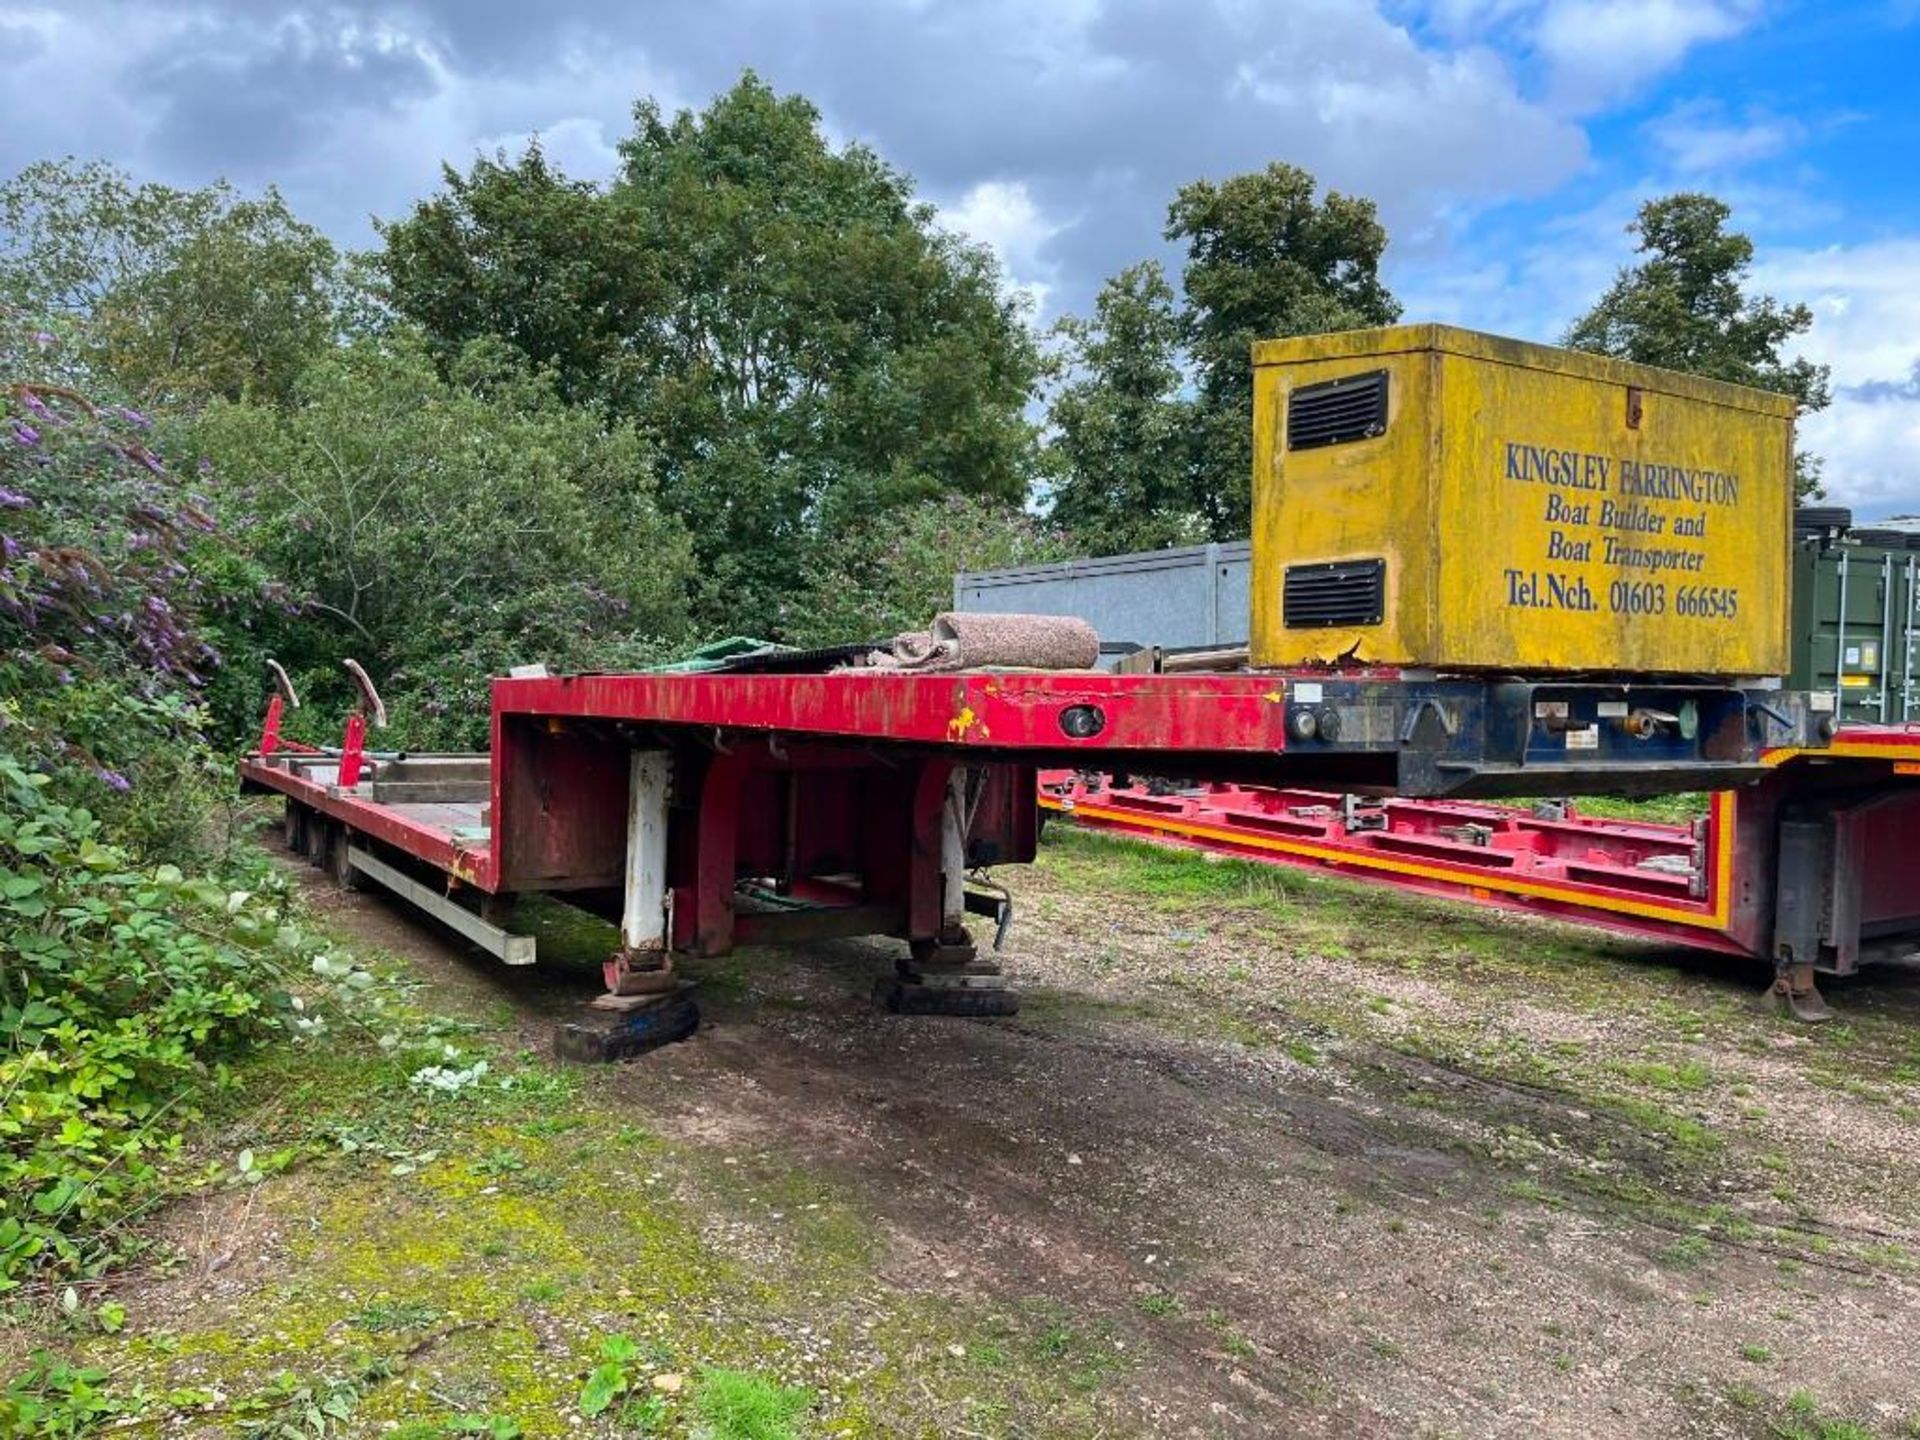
column 440, row 529
column 1265, row 259
column 175, row 295
column 893, row 570
column 1121, row 450
column 1152, row 434
column 789, row 326
column 1685, row 307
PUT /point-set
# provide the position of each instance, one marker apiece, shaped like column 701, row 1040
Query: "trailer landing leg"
column 946, row 977
column 646, row 1004
column 1794, row 993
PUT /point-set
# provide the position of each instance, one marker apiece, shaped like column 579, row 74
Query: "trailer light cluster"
column 1304, row 723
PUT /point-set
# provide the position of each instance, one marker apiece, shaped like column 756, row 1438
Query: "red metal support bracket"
column 351, row 748
column 270, row 732
column 714, row 848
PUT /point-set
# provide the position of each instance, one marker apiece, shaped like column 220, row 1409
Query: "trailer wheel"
column 338, row 866
column 295, row 827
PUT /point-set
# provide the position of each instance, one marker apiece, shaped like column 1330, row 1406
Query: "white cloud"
column 1866, row 307
column 1594, row 52
column 1450, row 113
column 1002, row 215
column 1865, row 300
column 1057, row 133
column 577, row 145
column 1604, row 50
column 1699, row 137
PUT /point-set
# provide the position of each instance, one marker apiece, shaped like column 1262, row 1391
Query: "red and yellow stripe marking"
column 1711, row 914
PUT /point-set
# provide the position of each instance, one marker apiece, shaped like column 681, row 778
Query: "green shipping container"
column 1856, row 624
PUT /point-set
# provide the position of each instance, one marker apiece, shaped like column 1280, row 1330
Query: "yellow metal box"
column 1431, row 497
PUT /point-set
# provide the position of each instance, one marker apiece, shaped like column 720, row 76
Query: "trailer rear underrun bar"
column 703, row 811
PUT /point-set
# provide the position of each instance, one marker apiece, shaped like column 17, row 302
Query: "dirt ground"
column 1278, row 1155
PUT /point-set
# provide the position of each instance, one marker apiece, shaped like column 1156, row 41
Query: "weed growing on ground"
column 736, row 1405
column 1688, row 1077
column 386, row 1317
column 1805, row 1421
column 1686, row 1253
column 620, row 1383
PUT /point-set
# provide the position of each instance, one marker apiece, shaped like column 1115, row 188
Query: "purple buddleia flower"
column 13, row 499
column 114, row 780
column 134, row 417
column 9, row 548
column 25, row 433
column 43, row 337
column 36, row 404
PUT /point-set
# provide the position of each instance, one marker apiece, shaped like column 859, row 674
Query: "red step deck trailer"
column 707, row 810
column 1817, row 861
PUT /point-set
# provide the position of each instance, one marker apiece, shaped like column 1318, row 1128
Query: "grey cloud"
column 1882, row 392
column 250, row 100
column 20, row 43
column 1100, row 113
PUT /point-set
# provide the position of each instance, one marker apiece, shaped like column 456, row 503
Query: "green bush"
column 104, row 654
column 438, row 531
column 123, row 989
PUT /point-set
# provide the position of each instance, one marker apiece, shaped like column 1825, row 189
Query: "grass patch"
column 1685, row 1137
column 738, row 1405
column 1084, row 860
column 1654, row 810
column 1804, row 1420
column 1689, row 1077
column 1686, row 1253
column 390, row 1317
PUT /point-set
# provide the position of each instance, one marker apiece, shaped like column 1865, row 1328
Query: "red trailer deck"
column 705, row 810
column 708, row 810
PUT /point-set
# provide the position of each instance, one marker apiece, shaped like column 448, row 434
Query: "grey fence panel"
column 1190, row 597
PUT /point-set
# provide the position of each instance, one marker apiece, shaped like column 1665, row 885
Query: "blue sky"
column 1506, row 141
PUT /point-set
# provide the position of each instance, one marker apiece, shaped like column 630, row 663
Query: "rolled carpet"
column 968, row 641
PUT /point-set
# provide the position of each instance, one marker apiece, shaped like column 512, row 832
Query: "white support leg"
column 954, row 819
column 643, row 918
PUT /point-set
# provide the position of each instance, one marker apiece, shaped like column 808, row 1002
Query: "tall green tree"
column 174, row 296
column 1685, row 306
column 1120, row 451
column 800, row 339
column 1266, row 258
column 515, row 250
